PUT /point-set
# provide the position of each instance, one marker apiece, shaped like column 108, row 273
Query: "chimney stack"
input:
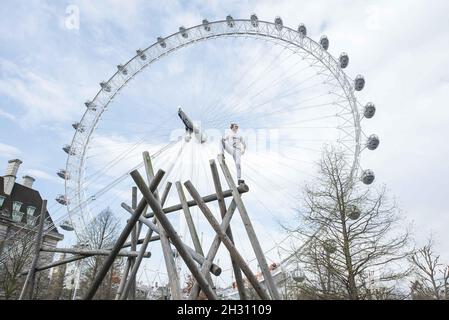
column 28, row 181
column 10, row 177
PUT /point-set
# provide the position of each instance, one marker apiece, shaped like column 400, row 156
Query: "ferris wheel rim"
column 264, row 30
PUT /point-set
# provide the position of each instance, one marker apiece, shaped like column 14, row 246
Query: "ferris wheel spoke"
column 250, row 113
column 287, row 108
column 256, row 58
column 271, row 86
column 230, row 98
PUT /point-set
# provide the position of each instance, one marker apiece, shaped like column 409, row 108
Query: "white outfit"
column 234, row 144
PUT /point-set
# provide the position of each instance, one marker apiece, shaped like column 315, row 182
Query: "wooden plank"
column 165, row 223
column 250, row 230
column 226, row 241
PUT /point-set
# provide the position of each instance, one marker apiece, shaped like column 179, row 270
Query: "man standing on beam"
column 235, row 145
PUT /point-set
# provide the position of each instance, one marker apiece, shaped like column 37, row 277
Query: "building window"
column 16, row 214
column 2, row 199
column 30, row 210
column 16, row 205
column 31, row 219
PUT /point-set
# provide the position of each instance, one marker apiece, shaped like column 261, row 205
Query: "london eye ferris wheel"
column 288, row 94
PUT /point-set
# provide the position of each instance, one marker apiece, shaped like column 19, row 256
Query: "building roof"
column 28, row 197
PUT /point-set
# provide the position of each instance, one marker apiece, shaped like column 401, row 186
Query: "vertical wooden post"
column 176, row 240
column 213, row 249
column 121, row 239
column 226, row 241
column 134, row 237
column 173, row 277
column 129, row 261
column 222, row 206
column 123, row 280
column 28, row 286
column 143, row 248
column 250, row 230
column 191, row 226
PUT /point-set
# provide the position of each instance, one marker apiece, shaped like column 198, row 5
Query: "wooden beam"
column 171, row 232
column 222, row 206
column 172, row 272
column 94, row 252
column 28, row 286
column 250, row 230
column 213, row 250
column 192, row 229
column 143, row 248
column 121, row 239
column 209, row 198
column 214, row 269
column 79, row 257
column 134, row 238
column 226, row 241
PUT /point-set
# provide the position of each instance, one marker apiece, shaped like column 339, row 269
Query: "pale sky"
column 48, row 70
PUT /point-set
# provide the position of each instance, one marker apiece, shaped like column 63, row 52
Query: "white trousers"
column 236, row 154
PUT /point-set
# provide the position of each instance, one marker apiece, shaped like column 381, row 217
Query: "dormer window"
column 30, row 210
column 16, row 214
column 16, row 205
column 2, row 199
column 31, row 219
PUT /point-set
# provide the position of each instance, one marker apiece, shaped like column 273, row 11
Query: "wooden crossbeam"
column 93, row 252
column 171, row 232
column 243, row 188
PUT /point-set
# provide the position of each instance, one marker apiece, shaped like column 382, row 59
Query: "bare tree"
column 102, row 232
column 431, row 276
column 352, row 233
column 16, row 256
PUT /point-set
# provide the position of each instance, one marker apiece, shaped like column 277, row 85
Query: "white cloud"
column 39, row 174
column 8, row 151
column 7, row 115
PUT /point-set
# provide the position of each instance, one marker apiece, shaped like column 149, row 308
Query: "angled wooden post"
column 222, row 206
column 121, row 239
column 143, row 248
column 214, row 269
column 173, row 277
column 165, row 223
column 191, row 226
column 28, row 286
column 226, row 241
column 213, row 250
column 250, row 230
